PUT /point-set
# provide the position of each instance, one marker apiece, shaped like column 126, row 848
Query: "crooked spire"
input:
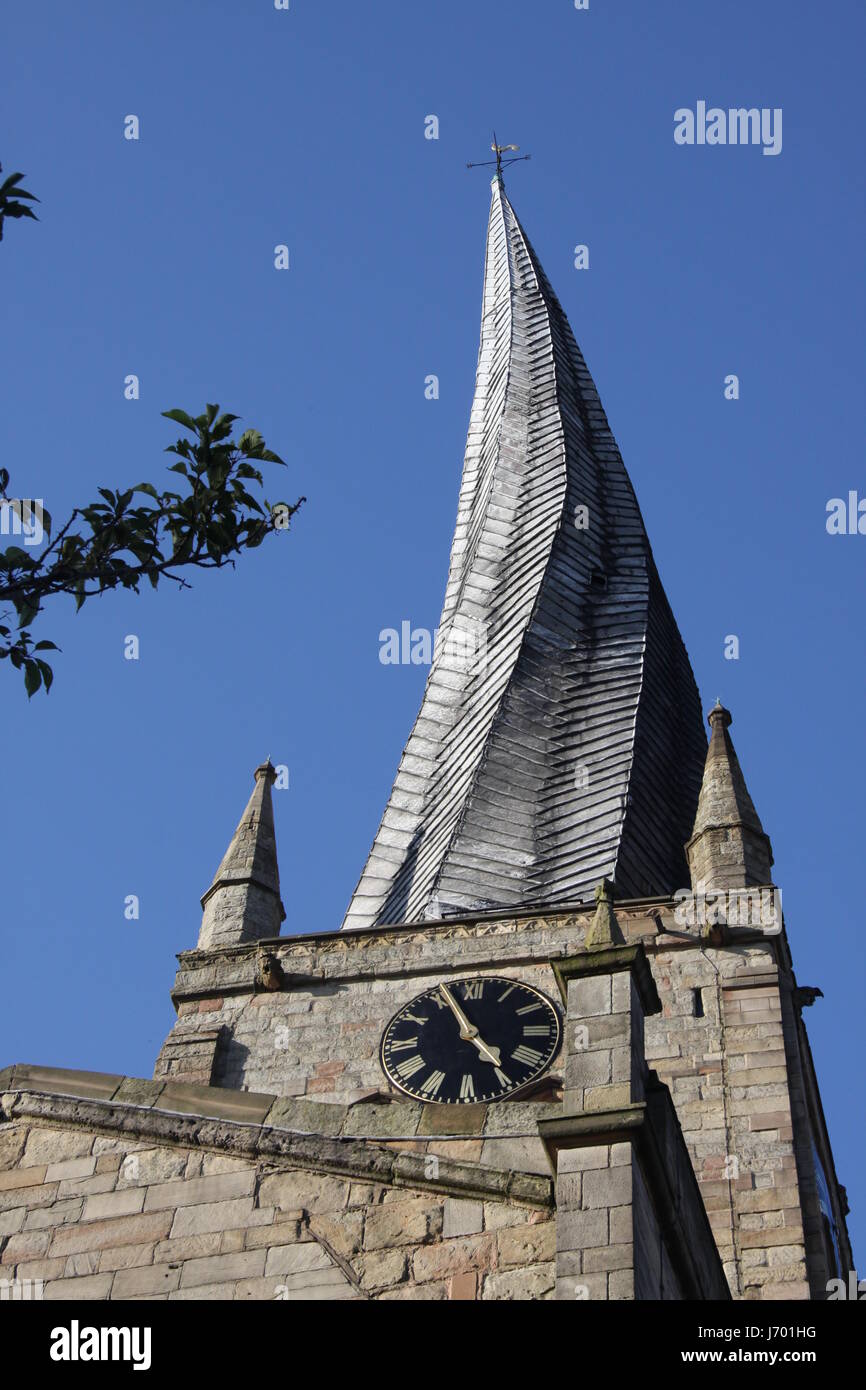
column 560, row 739
column 728, row 847
column 243, row 903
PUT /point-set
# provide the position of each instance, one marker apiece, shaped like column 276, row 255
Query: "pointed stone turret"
column 560, row 739
column 728, row 847
column 605, row 929
column 243, row 903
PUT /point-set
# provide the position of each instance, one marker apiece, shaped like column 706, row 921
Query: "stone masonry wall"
column 719, row 1044
column 97, row 1214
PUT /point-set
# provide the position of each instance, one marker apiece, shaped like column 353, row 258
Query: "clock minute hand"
column 468, row 1031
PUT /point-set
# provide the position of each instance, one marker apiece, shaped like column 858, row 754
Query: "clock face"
column 470, row 1041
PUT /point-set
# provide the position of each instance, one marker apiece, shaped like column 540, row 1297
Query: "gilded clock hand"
column 468, row 1031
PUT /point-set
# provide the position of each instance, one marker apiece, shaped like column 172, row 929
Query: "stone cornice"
column 266, row 1128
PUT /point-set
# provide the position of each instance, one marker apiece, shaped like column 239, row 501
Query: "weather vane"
column 499, row 151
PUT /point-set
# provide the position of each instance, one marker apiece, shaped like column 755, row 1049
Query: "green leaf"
column 32, row 678
column 181, row 418
column 46, row 647
column 15, row 555
column 47, row 674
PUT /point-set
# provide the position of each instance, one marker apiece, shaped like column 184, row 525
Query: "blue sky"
column 155, row 257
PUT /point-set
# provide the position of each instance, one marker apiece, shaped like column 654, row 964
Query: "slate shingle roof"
column 573, row 749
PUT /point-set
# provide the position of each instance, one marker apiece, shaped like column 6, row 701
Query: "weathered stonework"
column 728, row 1043
column 105, row 1198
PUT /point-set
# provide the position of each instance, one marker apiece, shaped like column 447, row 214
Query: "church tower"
column 558, row 1049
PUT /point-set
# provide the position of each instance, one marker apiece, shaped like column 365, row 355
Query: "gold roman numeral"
column 536, row 1030
column 433, row 1082
column 410, row 1042
column 527, row 1055
column 530, row 1008
column 467, row 1088
column 473, row 989
column 410, row 1066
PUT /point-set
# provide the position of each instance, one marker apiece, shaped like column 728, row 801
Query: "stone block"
column 580, row 1230
column 316, row 1288
column 86, row 1187
column 401, row 1223
column 580, row 1287
column 149, row 1166
column 343, row 1232
column 620, row 1285
column 71, row 1168
column 452, row 1119
column 137, row 1283
column 125, row 1257
column 12, row 1140
column 383, row 1121
column 500, row 1215
column 12, row 1220
column 187, row 1248
column 93, row 1286
column 527, row 1245
column 306, row 1258
column 588, row 1069
column 194, row 1191
column 134, row 1090
column 608, row 1258
column 463, row 1288
column 607, row 1097
column 101, row 1235
column 54, row 1145
column 516, row 1155
column 60, row 1081
column 25, row 1245
column 382, row 1269
column 39, row 1269
column 306, row 1116
column 448, row 1257
column 217, row 1269
column 301, row 1188
column 113, row 1204
column 37, row 1195
column 211, row 1216
column 59, row 1214
column 611, row 1187
column 588, row 997
column 520, row 1285
column 16, row 1179
column 214, row 1102
column 462, row 1218
column 577, row 1160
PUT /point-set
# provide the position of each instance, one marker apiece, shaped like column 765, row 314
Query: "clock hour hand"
column 468, row 1031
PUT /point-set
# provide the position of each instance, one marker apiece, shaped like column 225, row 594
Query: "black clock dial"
column 470, row 1041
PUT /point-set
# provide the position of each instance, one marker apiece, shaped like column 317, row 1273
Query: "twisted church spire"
column 560, row 738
